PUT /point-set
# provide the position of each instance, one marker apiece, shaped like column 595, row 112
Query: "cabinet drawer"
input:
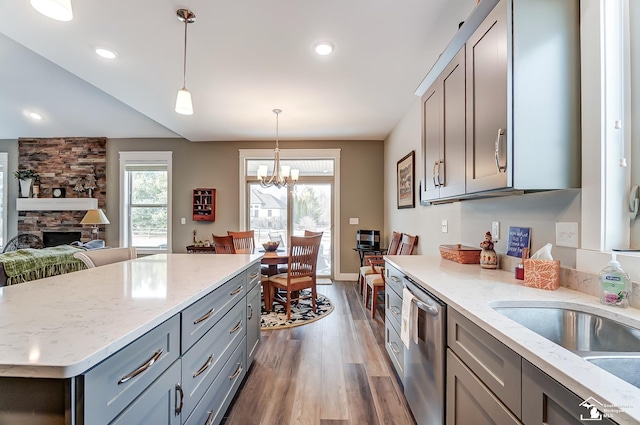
column 495, row 364
column 156, row 405
column 202, row 363
column 253, row 276
column 469, row 401
column 393, row 309
column 395, row 349
column 198, row 318
column 217, row 399
column 116, row 382
column 393, row 278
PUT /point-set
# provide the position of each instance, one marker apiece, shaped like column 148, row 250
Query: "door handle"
column 501, row 168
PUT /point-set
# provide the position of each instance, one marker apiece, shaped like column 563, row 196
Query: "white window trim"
column 4, row 162
column 333, row 154
column 150, row 157
column 605, row 219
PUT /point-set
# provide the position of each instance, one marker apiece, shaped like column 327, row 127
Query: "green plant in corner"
column 26, row 174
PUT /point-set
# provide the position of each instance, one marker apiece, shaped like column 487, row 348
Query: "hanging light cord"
column 184, row 62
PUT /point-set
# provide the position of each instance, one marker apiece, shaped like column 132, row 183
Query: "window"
column 145, row 201
column 4, row 158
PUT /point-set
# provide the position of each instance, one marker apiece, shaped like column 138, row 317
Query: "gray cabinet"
column 443, row 132
column 393, row 310
column 549, row 402
column 469, row 401
column 254, row 303
column 523, row 97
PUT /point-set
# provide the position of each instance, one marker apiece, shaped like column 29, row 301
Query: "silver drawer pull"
column 253, row 276
column 394, row 278
column 142, row 368
column 205, row 317
column 236, row 373
column 204, row 366
column 236, row 328
column 395, row 310
column 250, row 312
column 236, row 291
column 499, row 166
column 391, row 345
column 212, row 414
column 179, row 406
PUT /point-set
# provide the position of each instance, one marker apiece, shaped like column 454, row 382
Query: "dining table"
column 272, row 259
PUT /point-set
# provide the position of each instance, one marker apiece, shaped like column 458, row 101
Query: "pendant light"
column 60, row 10
column 184, row 105
column 280, row 177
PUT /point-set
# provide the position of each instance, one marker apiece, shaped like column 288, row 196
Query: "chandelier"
column 283, row 175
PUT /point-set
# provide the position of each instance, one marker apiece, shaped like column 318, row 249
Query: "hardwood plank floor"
column 331, row 372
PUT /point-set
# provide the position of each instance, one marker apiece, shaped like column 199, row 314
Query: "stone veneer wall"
column 61, row 162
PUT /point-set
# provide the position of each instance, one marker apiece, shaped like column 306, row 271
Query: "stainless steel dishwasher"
column 424, row 367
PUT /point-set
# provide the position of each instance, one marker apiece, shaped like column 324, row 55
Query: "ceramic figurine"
column 488, row 257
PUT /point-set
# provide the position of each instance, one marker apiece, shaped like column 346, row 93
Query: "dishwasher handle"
column 425, row 307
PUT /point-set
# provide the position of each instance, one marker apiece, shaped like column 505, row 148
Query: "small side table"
column 192, row 249
column 363, row 251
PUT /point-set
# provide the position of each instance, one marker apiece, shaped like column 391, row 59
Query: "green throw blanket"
column 30, row 264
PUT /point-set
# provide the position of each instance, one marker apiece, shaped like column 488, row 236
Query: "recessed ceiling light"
column 323, row 47
column 60, row 10
column 106, row 53
column 35, row 116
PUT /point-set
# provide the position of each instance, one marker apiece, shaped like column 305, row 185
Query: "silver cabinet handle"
column 391, row 346
column 204, row 317
column 236, row 291
column 236, row 373
column 179, row 406
column 236, row 328
column 212, row 414
column 394, row 278
column 395, row 310
column 501, row 168
column 204, row 366
column 250, row 312
column 440, row 172
column 146, row 365
column 253, row 276
column 433, row 176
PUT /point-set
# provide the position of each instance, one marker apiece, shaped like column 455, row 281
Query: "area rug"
column 301, row 313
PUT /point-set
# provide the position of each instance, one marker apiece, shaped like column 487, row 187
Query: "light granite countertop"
column 473, row 291
column 61, row 326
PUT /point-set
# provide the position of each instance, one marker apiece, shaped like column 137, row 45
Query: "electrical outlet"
column 495, row 230
column 445, row 226
column 567, row 234
column 183, row 220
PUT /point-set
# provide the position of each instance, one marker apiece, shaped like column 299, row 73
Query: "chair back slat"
column 303, row 255
column 223, row 244
column 407, row 244
column 395, row 243
column 243, row 242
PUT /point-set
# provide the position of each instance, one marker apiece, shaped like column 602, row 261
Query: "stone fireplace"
column 62, row 162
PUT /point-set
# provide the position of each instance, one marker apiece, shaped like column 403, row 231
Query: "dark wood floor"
column 333, row 371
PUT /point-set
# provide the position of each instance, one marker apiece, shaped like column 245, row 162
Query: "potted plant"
column 26, row 179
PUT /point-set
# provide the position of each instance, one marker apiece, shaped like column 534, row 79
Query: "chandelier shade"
column 283, row 175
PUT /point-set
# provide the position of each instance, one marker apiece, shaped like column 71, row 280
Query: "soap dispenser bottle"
column 615, row 283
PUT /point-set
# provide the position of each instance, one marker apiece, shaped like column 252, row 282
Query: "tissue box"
column 542, row 274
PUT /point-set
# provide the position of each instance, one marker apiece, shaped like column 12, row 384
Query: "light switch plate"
column 445, row 226
column 495, row 230
column 353, row 220
column 567, row 235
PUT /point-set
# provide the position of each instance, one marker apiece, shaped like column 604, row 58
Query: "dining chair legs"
column 371, row 292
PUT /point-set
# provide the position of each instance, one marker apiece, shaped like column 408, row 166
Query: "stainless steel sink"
column 581, row 332
column 610, row 345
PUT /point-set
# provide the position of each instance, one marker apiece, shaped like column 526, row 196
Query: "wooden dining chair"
column 101, row 257
column 301, row 273
column 367, row 269
column 243, row 242
column 223, row 244
column 375, row 281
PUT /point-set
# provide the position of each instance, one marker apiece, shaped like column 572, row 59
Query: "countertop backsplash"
column 587, row 283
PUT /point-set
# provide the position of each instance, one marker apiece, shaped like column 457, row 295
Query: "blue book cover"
column 519, row 238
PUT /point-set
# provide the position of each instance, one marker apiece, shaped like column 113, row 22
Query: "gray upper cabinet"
column 521, row 126
column 443, row 132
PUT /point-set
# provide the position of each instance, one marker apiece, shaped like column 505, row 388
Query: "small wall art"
column 519, row 238
column 406, row 181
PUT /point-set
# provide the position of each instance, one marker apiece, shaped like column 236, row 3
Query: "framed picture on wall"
column 406, row 179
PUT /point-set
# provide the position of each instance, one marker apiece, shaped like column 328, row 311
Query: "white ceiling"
column 244, row 59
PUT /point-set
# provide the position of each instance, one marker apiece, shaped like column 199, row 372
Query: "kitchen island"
column 62, row 338
column 473, row 292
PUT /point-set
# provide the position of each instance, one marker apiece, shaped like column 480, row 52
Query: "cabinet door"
column 469, row 402
column 157, row 404
column 548, row 402
column 431, row 141
column 451, row 169
column 253, row 322
column 487, row 132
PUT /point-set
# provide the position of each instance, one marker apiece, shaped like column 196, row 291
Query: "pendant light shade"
column 60, row 10
column 183, row 102
column 184, row 105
